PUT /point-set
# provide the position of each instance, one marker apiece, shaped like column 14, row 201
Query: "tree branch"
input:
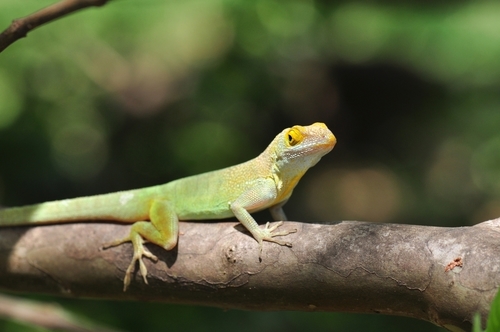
column 350, row 267
column 19, row 28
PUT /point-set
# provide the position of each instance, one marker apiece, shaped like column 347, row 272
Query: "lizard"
column 266, row 181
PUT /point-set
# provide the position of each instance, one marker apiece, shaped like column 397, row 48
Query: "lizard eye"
column 293, row 137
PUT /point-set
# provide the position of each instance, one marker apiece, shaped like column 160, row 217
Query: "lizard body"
column 266, row 181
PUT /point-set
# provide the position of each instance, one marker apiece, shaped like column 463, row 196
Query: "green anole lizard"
column 266, row 181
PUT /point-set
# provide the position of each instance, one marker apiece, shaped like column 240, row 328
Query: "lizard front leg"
column 263, row 193
column 162, row 230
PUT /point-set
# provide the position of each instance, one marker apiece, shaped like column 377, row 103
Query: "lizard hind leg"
column 162, row 230
column 139, row 251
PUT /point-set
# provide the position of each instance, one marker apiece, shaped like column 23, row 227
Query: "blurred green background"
column 137, row 93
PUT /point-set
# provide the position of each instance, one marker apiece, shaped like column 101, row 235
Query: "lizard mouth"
column 327, row 145
column 318, row 148
column 332, row 140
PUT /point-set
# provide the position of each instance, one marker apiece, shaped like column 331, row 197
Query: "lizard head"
column 294, row 151
column 301, row 147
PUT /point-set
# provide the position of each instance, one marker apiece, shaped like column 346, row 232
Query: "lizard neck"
column 286, row 178
column 283, row 173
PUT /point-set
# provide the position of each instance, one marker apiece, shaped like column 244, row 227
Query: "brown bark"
column 359, row 267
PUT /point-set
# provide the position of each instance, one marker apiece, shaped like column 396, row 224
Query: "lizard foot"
column 139, row 251
column 268, row 235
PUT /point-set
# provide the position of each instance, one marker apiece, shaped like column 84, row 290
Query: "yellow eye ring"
column 293, row 137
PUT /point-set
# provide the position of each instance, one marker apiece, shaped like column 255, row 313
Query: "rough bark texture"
column 360, row 267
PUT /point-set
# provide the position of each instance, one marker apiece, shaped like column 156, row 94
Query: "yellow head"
column 294, row 151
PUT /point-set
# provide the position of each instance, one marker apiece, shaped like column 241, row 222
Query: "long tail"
column 57, row 211
column 116, row 206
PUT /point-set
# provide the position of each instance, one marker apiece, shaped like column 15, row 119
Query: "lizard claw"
column 268, row 235
column 139, row 252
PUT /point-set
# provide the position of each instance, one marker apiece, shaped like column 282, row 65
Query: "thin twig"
column 47, row 315
column 20, row 27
